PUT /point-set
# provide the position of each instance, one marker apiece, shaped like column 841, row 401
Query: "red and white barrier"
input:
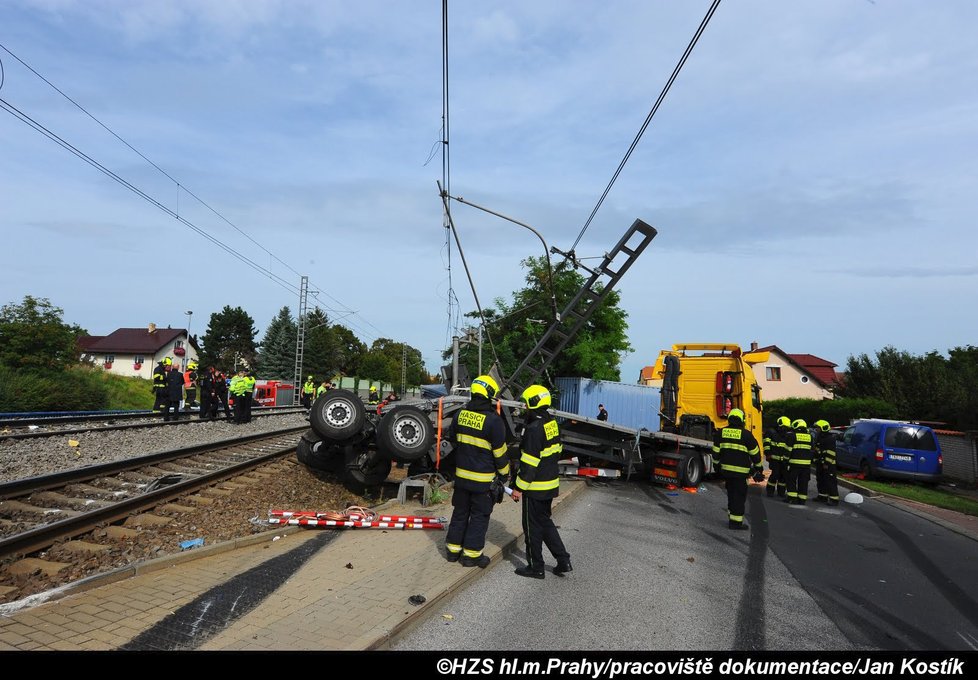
column 354, row 524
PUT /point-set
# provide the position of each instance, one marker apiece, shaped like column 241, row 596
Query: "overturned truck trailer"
column 362, row 442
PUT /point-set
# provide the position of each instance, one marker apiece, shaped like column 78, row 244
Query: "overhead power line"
column 648, row 119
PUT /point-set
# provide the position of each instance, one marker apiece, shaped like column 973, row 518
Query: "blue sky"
column 813, row 173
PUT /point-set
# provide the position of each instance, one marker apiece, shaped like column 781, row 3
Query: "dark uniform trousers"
column 470, row 519
column 827, row 476
column 799, row 467
column 539, row 529
column 736, row 495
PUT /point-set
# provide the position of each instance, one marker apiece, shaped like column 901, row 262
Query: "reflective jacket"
column 799, row 448
column 826, row 447
column 735, row 451
column 190, row 379
column 159, row 377
column 539, row 453
column 479, row 435
column 239, row 385
column 775, row 444
column 309, row 387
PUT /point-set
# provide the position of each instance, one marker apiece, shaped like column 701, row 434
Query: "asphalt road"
column 659, row 570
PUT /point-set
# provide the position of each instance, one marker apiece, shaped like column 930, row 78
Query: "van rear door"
column 905, row 445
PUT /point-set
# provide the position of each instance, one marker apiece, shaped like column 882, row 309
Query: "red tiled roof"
column 648, row 373
column 136, row 340
column 821, row 370
column 85, row 342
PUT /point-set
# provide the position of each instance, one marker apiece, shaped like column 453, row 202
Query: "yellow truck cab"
column 701, row 383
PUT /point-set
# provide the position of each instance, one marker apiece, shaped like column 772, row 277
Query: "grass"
column 126, row 393
column 924, row 494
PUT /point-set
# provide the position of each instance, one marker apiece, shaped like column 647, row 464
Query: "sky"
column 812, row 173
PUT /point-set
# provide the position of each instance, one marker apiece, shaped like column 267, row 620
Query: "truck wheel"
column 337, row 415
column 304, row 447
column 365, row 467
column 405, row 434
column 692, row 470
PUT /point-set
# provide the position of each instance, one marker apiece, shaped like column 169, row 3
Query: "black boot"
column 528, row 572
column 482, row 561
column 737, row 526
column 452, row 556
column 563, row 567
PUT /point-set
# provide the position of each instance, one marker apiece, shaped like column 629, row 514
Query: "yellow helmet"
column 536, row 396
column 373, row 389
column 784, row 421
column 167, row 361
column 823, row 425
column 192, row 365
column 738, row 414
column 799, row 425
column 485, row 386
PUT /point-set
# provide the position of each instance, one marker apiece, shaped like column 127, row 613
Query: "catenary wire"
column 648, row 119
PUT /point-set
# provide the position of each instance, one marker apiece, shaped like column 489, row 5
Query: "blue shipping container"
column 628, row 404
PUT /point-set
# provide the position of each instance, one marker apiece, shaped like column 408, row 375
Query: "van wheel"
column 865, row 470
column 338, row 415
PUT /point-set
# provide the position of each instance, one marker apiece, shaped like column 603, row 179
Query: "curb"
column 913, row 507
column 383, row 641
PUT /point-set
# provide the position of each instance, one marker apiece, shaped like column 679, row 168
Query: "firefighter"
column 538, row 483
column 208, row 394
column 322, row 388
column 239, row 384
column 221, row 390
column 799, row 462
column 308, row 390
column 828, row 484
column 374, row 397
column 249, row 393
column 479, row 437
column 174, row 392
column 190, row 385
column 159, row 382
column 776, row 452
column 737, row 456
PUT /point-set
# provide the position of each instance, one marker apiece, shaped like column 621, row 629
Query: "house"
column 136, row 351
column 804, row 376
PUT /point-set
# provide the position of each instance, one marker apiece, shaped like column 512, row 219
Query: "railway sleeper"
column 69, row 501
column 16, row 509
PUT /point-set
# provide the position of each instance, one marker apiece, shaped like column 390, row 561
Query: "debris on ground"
column 192, row 543
column 417, row 599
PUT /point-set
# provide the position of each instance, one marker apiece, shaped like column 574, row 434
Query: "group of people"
column 311, row 391
column 791, row 450
column 483, row 468
column 171, row 386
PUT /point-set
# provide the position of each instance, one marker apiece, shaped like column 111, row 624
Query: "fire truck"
column 273, row 393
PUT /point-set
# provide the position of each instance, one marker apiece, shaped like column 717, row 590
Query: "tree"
column 595, row 352
column 277, row 356
column 33, row 336
column 387, row 357
column 229, row 341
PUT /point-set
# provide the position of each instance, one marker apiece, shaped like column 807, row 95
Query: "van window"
column 910, row 437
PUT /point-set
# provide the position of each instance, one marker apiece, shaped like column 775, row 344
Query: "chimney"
column 151, row 328
column 753, row 346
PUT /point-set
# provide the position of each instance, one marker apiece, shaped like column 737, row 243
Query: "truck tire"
column 315, row 453
column 405, row 434
column 692, row 470
column 337, row 415
column 304, row 447
column 365, row 467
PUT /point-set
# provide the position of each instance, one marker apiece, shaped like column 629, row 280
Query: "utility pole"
column 300, row 338
column 454, row 361
column 403, row 371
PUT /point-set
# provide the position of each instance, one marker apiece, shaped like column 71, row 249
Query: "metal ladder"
column 582, row 306
column 300, row 338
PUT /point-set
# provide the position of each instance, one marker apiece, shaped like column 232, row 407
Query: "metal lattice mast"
column 300, row 338
column 403, row 370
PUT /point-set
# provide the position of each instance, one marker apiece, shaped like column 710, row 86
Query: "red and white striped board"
column 354, row 524
column 312, row 514
column 589, row 471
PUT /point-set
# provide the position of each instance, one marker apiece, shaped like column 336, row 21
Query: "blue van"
column 887, row 448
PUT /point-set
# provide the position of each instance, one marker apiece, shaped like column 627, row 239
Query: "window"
column 138, row 359
column 109, row 358
column 773, row 373
column 178, row 343
column 804, row 380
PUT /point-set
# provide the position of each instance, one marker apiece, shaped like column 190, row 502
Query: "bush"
column 76, row 389
column 836, row 411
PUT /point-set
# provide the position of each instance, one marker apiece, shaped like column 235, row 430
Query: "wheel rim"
column 407, row 432
column 338, row 413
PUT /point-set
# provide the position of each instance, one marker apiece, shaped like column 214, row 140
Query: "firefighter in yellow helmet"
column 736, row 455
column 826, row 478
column 308, row 391
column 538, row 483
column 159, row 382
column 799, row 462
column 374, row 397
column 776, row 452
column 478, row 434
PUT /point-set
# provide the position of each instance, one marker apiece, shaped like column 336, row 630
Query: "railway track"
column 33, row 428
column 37, row 512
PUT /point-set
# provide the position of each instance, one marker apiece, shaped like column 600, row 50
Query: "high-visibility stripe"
column 734, row 468
column 504, row 471
column 472, row 553
column 551, row 450
column 530, row 460
column 537, row 486
column 453, row 547
column 500, row 452
column 474, row 441
column 800, row 461
column 737, row 518
column 733, row 447
column 474, row 476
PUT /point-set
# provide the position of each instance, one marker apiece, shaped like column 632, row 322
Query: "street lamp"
column 190, row 316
